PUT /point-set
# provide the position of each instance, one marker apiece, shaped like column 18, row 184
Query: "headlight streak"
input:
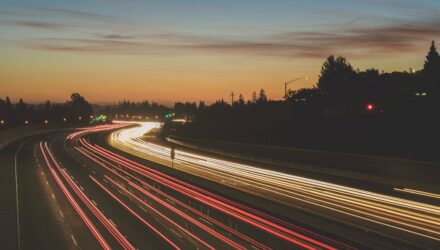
column 214, row 201
column 418, row 192
column 84, row 131
column 413, row 217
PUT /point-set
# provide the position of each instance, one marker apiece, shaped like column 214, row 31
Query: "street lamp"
column 287, row 83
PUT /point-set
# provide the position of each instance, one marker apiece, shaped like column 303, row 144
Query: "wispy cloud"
column 117, row 37
column 353, row 39
column 393, row 38
column 79, row 14
column 37, row 25
column 356, row 42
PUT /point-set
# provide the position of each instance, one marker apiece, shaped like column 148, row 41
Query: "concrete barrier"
column 8, row 136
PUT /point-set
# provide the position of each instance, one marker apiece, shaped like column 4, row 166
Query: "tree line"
column 75, row 110
column 131, row 108
column 367, row 111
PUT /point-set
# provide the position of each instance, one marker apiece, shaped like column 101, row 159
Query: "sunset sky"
column 169, row 51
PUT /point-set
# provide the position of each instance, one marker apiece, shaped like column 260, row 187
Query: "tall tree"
column 432, row 62
column 431, row 69
column 337, row 76
column 80, row 106
column 254, row 97
column 262, row 98
column 241, row 101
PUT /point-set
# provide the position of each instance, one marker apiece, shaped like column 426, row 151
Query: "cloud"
column 79, row 14
column 391, row 39
column 37, row 25
column 117, row 37
column 355, row 39
column 90, row 45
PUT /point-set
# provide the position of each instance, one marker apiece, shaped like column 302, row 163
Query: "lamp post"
column 294, row 80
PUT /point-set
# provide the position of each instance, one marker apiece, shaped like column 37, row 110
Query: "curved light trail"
column 396, row 213
column 170, row 205
column 73, row 202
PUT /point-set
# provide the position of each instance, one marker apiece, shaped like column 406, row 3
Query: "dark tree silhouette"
column 368, row 111
column 262, row 98
column 254, row 97
column 187, row 108
column 241, row 101
column 337, row 76
column 431, row 70
column 432, row 63
column 201, row 105
column 80, row 106
column 17, row 114
column 143, row 108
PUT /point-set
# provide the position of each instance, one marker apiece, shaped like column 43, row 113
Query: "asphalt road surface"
column 416, row 223
column 75, row 191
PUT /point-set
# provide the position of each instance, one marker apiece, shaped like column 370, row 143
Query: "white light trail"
column 405, row 215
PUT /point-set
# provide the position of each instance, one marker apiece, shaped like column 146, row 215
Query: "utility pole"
column 232, row 97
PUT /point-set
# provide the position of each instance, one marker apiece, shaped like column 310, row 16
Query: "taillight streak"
column 197, row 193
column 150, row 207
column 98, row 214
column 134, row 213
column 75, row 205
column 97, row 159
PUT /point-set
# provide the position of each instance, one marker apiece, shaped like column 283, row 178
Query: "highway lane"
column 90, row 197
column 39, row 218
column 209, row 227
column 330, row 227
column 78, row 197
column 117, row 220
column 100, row 203
column 48, row 220
column 414, row 222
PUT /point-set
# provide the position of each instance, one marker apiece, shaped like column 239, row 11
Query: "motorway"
column 75, row 191
column 95, row 198
column 402, row 219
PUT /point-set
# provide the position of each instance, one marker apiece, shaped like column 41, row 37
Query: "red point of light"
column 370, row 107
